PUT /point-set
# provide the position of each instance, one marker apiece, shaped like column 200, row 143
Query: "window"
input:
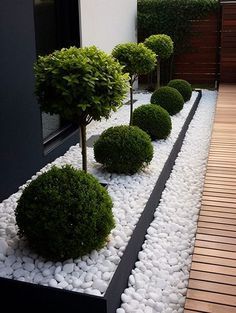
column 56, row 27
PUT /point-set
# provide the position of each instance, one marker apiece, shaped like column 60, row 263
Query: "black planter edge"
column 16, row 295
column 120, row 278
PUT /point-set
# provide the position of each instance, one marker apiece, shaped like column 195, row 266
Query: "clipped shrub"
column 137, row 59
column 183, row 87
column 81, row 85
column 161, row 44
column 65, row 213
column 123, row 149
column 154, row 120
column 168, row 98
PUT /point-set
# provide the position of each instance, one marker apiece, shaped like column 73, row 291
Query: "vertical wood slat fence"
column 201, row 63
column 228, row 43
column 212, row 56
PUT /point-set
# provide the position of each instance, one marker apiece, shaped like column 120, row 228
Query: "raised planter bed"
column 27, row 295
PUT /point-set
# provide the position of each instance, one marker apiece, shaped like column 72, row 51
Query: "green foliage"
column 80, row 84
column 65, row 213
column 123, row 149
column 183, row 87
column 136, row 58
column 172, row 17
column 168, row 98
column 154, row 120
column 161, row 44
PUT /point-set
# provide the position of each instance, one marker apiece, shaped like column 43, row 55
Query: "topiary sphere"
column 169, row 98
column 136, row 58
column 154, row 120
column 161, row 44
column 123, row 149
column 183, row 87
column 65, row 213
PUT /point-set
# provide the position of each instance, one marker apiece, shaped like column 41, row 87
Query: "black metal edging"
column 17, row 295
column 120, row 278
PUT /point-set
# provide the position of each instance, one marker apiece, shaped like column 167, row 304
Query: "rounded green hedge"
column 123, row 149
column 65, row 213
column 183, row 87
column 154, row 120
column 136, row 58
column 168, row 98
column 161, row 44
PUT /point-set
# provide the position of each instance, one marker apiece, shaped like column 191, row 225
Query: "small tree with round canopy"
column 81, row 85
column 136, row 59
column 163, row 46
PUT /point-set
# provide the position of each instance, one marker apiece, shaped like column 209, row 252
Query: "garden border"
column 27, row 296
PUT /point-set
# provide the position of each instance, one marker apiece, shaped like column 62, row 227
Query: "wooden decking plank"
column 211, row 297
column 217, row 220
column 218, row 194
column 212, row 225
column 216, row 232
column 218, row 214
column 215, row 253
column 213, row 277
column 218, row 209
column 214, row 260
column 219, row 203
column 215, row 245
column 207, row 307
column 218, row 239
column 219, row 190
column 212, row 287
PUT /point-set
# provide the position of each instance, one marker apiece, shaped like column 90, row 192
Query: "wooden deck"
column 212, row 283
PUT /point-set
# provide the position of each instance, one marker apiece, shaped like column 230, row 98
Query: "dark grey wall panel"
column 21, row 144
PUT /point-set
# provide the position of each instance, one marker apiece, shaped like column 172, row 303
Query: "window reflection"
column 56, row 27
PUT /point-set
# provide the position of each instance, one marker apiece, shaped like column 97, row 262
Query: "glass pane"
column 56, row 26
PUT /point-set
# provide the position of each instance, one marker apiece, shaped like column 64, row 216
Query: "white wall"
column 106, row 23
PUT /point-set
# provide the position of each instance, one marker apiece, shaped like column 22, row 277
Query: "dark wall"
column 21, row 144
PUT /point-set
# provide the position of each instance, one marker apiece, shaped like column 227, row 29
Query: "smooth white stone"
column 52, row 283
column 3, row 246
column 173, row 298
column 63, row 284
column 77, row 282
column 59, row 277
column 28, row 267
column 10, row 260
column 106, row 276
column 68, row 268
column 100, row 285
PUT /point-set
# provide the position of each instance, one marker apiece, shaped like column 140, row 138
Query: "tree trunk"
column 171, row 67
column 84, row 147
column 158, row 73
column 131, row 102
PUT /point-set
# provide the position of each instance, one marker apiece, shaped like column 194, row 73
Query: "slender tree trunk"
column 131, row 102
column 83, row 146
column 171, row 67
column 158, row 73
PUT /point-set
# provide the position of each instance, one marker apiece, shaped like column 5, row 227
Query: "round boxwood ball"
column 183, row 87
column 168, row 98
column 65, row 213
column 123, row 149
column 154, row 120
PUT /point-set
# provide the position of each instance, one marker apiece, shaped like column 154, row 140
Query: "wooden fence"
column 212, row 56
column 201, row 63
column 228, row 43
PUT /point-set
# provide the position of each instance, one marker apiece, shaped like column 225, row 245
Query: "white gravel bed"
column 90, row 274
column 158, row 283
